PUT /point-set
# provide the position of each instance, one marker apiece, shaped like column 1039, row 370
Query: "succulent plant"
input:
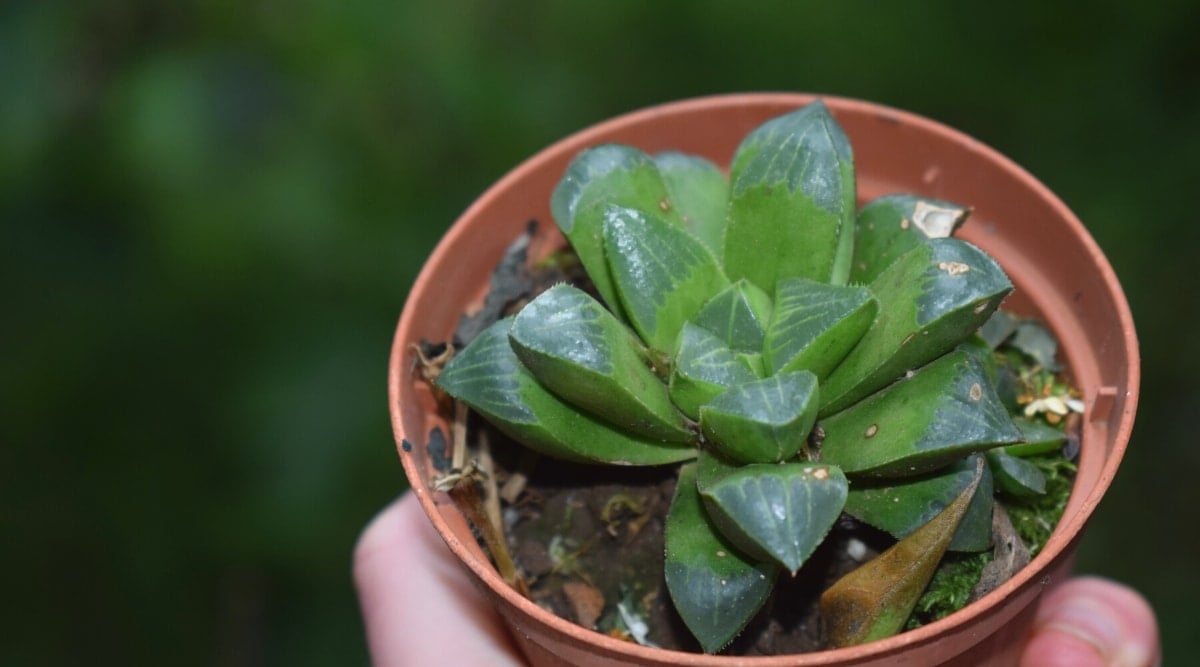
column 799, row 359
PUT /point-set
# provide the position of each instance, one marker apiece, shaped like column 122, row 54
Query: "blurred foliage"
column 213, row 211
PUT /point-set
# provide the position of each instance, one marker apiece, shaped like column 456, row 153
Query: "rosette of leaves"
column 800, row 358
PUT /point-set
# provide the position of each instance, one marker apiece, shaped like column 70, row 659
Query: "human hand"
column 439, row 615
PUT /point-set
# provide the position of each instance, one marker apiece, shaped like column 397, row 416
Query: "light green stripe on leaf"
column 699, row 193
column 792, row 201
column 579, row 350
column 662, row 274
column 945, row 410
column 599, row 177
column 716, row 589
column 488, row 377
column 934, row 296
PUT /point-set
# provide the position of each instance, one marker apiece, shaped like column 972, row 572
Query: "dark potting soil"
column 589, row 542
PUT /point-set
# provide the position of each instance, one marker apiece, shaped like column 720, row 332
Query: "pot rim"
column 1064, row 535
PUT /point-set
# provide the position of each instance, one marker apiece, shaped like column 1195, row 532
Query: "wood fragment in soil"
column 586, row 601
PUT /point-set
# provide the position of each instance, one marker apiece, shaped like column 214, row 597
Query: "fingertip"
column 1093, row 621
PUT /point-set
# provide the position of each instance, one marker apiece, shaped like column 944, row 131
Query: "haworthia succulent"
column 816, row 325
column 763, row 421
column 902, row 506
column 698, row 192
column 704, row 367
column 662, row 274
column 945, row 410
column 599, row 177
column 578, row 350
column 891, row 225
column 738, row 315
column 934, row 296
column 488, row 376
column 792, row 201
column 777, row 512
column 716, row 589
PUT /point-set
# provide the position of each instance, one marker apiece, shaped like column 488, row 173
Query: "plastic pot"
column 1060, row 276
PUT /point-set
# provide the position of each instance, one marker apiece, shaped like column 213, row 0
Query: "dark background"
column 212, row 213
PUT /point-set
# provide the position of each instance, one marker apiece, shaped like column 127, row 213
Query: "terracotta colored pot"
column 1059, row 273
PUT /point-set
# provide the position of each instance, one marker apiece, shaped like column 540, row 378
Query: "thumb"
column 1093, row 622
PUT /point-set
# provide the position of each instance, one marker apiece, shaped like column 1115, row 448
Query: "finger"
column 1093, row 622
column 418, row 605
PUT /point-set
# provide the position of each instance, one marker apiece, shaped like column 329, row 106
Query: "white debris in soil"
column 856, row 549
column 635, row 624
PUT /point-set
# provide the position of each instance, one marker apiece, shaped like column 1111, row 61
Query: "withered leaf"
column 875, row 600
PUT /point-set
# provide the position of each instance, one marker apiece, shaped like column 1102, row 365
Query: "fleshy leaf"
column 891, row 225
column 711, row 468
column 816, row 325
column 1035, row 340
column 998, row 328
column 763, row 421
column 875, row 600
column 944, row 411
column 602, row 176
column 715, row 588
column 792, row 201
column 488, row 376
column 662, row 274
column 933, row 297
column 777, row 512
column 1037, row 438
column 738, row 315
column 577, row 349
column 699, row 193
column 1016, row 476
column 704, row 367
column 900, row 507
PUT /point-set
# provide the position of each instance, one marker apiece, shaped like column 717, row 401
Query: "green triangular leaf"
column 738, row 315
column 488, row 376
column 792, row 201
column 816, row 325
column 998, row 328
column 602, row 176
column 699, row 193
column 715, row 589
column 662, row 274
column 763, row 421
column 777, row 512
column 900, row 507
column 1037, row 437
column 875, row 600
column 1016, row 476
column 944, row 411
column 932, row 298
column 704, row 367
column 578, row 350
column 891, row 225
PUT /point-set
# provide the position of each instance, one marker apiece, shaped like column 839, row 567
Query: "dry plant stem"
column 466, row 494
column 463, row 488
column 458, row 434
column 491, row 495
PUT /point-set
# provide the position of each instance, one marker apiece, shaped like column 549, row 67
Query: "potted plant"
column 1059, row 277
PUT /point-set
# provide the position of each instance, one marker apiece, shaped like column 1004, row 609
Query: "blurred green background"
column 212, row 213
